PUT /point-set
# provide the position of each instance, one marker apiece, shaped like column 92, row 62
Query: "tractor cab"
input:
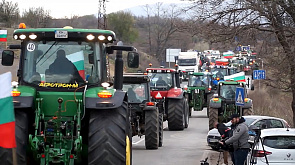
column 162, row 79
column 198, row 90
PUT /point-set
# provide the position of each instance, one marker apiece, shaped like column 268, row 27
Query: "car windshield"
column 280, row 142
column 228, row 91
column 137, row 93
column 60, row 64
column 161, row 81
column 249, row 121
column 239, row 61
column 198, row 80
column 187, row 62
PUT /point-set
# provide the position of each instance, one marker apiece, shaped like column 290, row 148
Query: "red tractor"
column 170, row 98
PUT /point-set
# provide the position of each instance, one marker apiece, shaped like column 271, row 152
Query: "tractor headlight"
column 101, row 37
column 90, row 37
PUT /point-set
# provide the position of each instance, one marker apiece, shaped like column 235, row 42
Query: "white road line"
column 142, row 139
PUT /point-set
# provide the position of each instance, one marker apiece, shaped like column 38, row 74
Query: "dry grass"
column 272, row 102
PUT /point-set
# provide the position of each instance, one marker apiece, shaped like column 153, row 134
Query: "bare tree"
column 9, row 12
column 273, row 19
column 36, row 17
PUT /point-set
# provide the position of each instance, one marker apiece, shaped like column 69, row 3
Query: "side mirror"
column 91, row 58
column 133, row 60
column 7, row 57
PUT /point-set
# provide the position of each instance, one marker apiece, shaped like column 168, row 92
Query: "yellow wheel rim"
column 128, row 152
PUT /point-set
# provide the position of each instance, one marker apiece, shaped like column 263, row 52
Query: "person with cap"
column 239, row 139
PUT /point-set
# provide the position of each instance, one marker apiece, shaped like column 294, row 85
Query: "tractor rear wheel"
column 161, row 129
column 176, row 119
column 213, row 116
column 21, row 135
column 109, row 140
column 186, row 113
column 151, row 129
column 248, row 111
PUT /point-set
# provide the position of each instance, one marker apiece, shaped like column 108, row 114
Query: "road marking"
column 142, row 139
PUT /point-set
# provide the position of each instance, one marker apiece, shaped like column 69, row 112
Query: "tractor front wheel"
column 213, row 117
column 248, row 111
column 160, row 130
column 151, row 129
column 176, row 119
column 109, row 140
column 21, row 135
column 186, row 113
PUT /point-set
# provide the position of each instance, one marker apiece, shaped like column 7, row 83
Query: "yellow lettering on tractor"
column 58, row 85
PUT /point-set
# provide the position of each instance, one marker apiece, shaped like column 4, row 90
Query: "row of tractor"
column 215, row 85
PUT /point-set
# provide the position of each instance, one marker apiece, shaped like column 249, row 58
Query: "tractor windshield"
column 161, row 81
column 198, row 81
column 137, row 93
column 228, row 91
column 219, row 72
column 61, row 64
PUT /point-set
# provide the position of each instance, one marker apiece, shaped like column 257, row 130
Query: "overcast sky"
column 62, row 8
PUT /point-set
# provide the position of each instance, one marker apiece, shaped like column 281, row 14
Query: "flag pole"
column 14, row 156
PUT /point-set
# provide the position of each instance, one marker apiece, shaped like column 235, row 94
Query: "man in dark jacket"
column 239, row 139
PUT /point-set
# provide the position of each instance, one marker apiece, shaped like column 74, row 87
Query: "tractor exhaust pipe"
column 118, row 80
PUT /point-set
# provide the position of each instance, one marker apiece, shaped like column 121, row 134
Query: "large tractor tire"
column 151, row 129
column 21, row 135
column 248, row 111
column 208, row 103
column 176, row 119
column 186, row 114
column 161, row 133
column 213, row 117
column 109, row 140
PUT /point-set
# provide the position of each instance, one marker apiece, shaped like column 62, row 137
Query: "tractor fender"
column 175, row 93
column 23, row 102
column 214, row 104
column 106, row 103
column 247, row 104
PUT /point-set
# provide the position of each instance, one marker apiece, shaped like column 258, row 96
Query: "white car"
column 279, row 148
column 262, row 122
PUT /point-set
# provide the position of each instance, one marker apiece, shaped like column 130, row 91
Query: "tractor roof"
column 199, row 73
column 230, row 82
column 135, row 78
column 155, row 70
column 107, row 36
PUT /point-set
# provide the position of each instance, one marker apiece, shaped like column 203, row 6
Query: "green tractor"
column 199, row 91
column 66, row 111
column 145, row 117
column 222, row 105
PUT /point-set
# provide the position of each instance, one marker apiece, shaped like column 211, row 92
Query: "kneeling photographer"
column 224, row 131
column 239, row 140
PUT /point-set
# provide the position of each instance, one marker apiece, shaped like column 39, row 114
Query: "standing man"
column 239, row 139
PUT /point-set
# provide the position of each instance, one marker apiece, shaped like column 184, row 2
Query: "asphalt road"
column 186, row 147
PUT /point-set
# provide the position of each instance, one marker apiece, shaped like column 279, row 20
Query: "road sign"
column 259, row 74
column 240, row 96
column 248, row 81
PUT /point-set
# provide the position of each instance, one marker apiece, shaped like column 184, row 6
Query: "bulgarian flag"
column 228, row 54
column 3, row 35
column 239, row 77
column 78, row 60
column 7, row 121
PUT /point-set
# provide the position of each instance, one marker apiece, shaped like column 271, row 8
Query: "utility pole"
column 102, row 23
